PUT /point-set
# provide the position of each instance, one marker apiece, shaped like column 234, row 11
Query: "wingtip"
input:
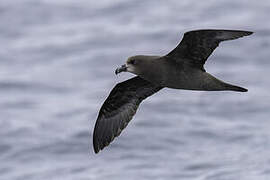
column 241, row 32
column 95, row 143
column 96, row 148
column 96, row 151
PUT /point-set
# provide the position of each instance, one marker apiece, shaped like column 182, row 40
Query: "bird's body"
column 182, row 68
column 180, row 75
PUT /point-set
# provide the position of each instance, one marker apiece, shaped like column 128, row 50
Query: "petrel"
column 182, row 68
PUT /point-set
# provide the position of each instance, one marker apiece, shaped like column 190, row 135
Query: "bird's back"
column 182, row 75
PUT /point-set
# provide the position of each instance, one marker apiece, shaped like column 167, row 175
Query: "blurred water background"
column 57, row 62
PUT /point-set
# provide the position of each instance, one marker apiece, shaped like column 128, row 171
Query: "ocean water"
column 57, row 62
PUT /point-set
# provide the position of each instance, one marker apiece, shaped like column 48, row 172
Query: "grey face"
column 130, row 66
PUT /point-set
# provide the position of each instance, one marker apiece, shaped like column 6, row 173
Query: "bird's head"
column 134, row 64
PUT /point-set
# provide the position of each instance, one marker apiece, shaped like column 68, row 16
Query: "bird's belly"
column 186, row 80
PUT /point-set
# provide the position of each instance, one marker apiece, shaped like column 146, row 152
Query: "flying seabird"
column 182, row 68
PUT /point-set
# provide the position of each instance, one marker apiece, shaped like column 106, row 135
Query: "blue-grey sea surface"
column 57, row 62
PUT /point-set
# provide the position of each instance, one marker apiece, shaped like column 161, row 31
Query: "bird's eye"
column 132, row 61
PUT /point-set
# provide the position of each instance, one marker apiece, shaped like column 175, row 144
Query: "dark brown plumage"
column 119, row 108
column 182, row 68
column 197, row 46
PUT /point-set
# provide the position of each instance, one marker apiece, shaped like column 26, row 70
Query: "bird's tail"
column 231, row 87
column 215, row 84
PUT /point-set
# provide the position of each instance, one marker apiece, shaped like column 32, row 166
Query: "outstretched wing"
column 119, row 108
column 196, row 46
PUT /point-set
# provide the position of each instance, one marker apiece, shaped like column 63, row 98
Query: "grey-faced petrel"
column 182, row 68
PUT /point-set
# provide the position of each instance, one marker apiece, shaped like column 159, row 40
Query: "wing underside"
column 119, row 108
